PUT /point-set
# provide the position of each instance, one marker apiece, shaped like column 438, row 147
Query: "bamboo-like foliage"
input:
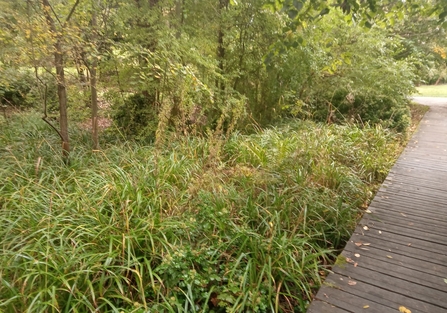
column 131, row 230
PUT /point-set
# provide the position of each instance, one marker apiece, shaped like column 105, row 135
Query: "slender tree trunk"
column 242, row 41
column 62, row 95
column 60, row 76
column 93, row 90
column 179, row 16
column 223, row 4
column 94, row 97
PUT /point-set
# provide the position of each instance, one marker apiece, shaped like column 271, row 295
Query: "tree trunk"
column 94, row 97
column 93, row 90
column 223, row 4
column 179, row 16
column 62, row 95
column 60, row 77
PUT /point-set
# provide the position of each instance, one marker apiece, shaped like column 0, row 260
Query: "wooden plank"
column 405, row 220
column 409, row 276
column 426, row 155
column 408, row 175
column 426, row 158
column 413, row 167
column 400, row 238
column 418, row 189
column 382, row 296
column 405, row 215
column 415, row 216
column 394, row 264
column 423, row 167
column 410, row 201
column 319, row 306
column 353, row 303
column 413, row 205
column 410, row 233
column 413, row 160
column 394, row 284
column 416, row 181
column 431, row 197
column 404, row 248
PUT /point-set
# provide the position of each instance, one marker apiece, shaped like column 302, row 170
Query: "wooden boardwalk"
column 397, row 256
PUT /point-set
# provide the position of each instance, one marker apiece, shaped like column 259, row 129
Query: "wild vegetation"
column 181, row 228
column 215, row 156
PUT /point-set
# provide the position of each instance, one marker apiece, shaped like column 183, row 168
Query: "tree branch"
column 47, row 4
column 71, row 12
column 44, row 117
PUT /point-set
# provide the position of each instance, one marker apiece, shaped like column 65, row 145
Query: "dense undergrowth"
column 249, row 224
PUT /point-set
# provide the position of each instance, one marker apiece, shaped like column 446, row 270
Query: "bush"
column 373, row 109
column 15, row 87
column 137, row 117
column 21, row 89
column 356, row 77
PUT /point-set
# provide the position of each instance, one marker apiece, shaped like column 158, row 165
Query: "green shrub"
column 15, row 87
column 20, row 88
column 372, row 109
column 137, row 117
column 356, row 77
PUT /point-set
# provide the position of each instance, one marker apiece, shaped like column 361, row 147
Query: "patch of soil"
column 103, row 123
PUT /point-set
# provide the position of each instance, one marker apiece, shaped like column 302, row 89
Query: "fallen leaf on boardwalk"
column 365, row 227
column 445, row 280
column 357, row 255
column 404, row 309
column 380, row 232
column 349, row 260
column 358, row 244
column 366, row 244
column 367, row 306
column 352, row 283
column 403, row 214
column 389, row 256
column 355, row 264
column 368, row 211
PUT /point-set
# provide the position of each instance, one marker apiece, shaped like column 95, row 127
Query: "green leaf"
column 292, row 13
column 372, row 5
column 298, row 4
column 324, row 11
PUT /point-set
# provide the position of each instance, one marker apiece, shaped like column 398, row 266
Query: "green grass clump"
column 180, row 228
column 432, row 91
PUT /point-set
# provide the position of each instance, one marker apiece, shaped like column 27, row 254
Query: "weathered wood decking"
column 397, row 256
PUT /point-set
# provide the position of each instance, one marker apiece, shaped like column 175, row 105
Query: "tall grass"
column 134, row 229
